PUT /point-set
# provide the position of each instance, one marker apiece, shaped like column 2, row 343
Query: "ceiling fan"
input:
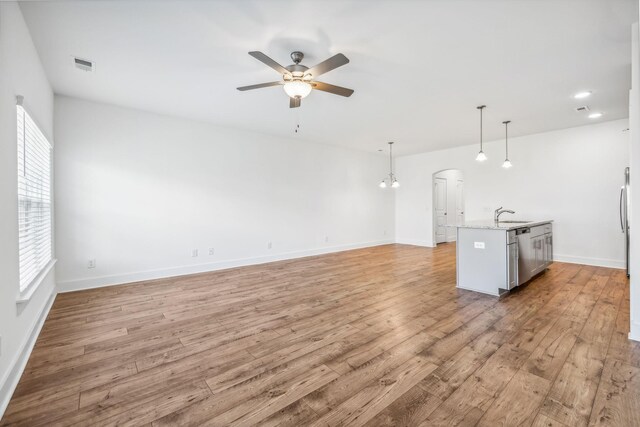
column 298, row 80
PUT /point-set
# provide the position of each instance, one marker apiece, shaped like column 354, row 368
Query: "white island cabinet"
column 495, row 257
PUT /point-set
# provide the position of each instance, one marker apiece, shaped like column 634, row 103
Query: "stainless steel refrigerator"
column 624, row 214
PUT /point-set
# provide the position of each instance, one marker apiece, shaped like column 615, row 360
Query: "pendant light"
column 507, row 163
column 393, row 182
column 481, row 157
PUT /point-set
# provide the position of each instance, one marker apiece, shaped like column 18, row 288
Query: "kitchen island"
column 496, row 257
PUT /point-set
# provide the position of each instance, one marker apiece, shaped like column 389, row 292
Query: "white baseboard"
column 415, row 242
column 597, row 262
column 10, row 382
column 119, row 279
column 635, row 331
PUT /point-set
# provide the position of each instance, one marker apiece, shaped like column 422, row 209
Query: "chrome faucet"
column 500, row 211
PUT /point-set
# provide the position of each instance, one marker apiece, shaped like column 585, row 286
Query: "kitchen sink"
column 514, row 222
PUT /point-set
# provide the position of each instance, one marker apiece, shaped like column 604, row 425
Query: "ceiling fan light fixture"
column 297, row 89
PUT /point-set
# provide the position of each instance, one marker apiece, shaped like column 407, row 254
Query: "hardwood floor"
column 376, row 336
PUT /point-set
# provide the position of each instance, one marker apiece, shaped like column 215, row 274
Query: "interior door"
column 440, row 208
column 459, row 202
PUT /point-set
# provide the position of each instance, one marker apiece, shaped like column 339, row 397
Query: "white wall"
column 452, row 176
column 572, row 176
column 138, row 191
column 634, row 219
column 20, row 74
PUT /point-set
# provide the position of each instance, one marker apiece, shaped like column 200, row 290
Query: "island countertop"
column 502, row 225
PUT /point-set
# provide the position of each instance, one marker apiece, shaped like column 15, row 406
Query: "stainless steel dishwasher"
column 526, row 252
column 512, row 260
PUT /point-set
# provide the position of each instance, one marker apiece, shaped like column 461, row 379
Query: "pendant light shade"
column 481, row 157
column 391, row 181
column 507, row 163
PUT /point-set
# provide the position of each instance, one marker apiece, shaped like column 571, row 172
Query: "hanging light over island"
column 481, row 157
column 507, row 163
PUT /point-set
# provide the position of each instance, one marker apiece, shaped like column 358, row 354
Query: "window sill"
column 25, row 296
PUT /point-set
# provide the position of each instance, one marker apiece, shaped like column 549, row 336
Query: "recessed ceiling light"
column 582, row 95
column 595, row 115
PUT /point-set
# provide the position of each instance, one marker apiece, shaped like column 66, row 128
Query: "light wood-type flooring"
column 376, row 336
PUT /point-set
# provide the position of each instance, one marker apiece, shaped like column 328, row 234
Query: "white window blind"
column 34, row 199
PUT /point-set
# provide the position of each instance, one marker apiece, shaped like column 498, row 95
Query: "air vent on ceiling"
column 582, row 109
column 83, row 64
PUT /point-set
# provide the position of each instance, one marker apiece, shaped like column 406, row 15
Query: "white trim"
column 26, row 295
column 119, row 279
column 416, row 242
column 597, row 262
column 635, row 331
column 10, row 381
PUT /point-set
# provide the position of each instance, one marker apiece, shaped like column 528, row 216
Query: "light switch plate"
column 478, row 245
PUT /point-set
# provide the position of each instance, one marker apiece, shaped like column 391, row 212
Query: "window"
column 34, row 199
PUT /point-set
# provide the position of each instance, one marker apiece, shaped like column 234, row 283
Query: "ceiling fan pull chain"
column 297, row 127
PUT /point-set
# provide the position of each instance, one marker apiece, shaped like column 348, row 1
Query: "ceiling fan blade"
column 330, row 64
column 268, row 61
column 336, row 90
column 260, row 85
column 294, row 102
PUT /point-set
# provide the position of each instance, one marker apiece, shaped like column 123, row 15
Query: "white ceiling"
column 418, row 68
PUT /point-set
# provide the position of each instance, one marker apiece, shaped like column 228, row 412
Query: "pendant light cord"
column 481, row 128
column 481, row 107
column 506, row 138
column 391, row 161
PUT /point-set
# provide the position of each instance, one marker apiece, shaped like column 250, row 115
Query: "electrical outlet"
column 212, row 251
column 194, row 253
column 269, row 245
column 478, row 245
column 91, row 263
